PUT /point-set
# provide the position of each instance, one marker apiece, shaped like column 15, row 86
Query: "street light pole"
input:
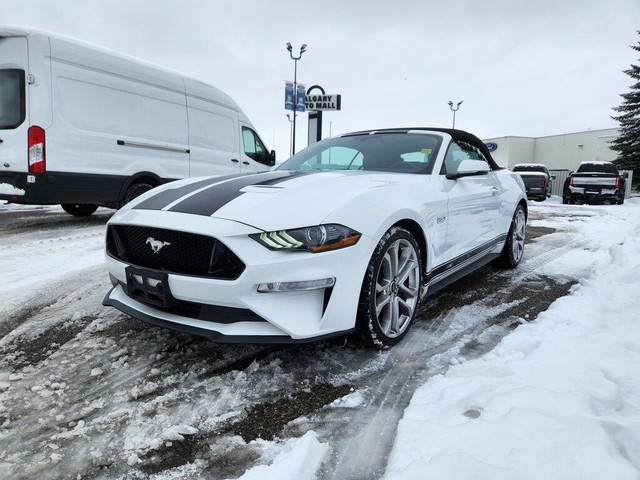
column 295, row 89
column 454, row 110
column 291, row 132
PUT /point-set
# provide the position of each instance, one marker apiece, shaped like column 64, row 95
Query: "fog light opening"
column 306, row 285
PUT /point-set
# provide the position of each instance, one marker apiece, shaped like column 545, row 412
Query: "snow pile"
column 7, row 189
column 558, row 398
column 300, row 460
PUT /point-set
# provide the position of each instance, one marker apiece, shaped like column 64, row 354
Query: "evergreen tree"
column 628, row 143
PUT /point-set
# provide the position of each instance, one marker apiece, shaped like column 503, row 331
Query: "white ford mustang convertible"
column 346, row 236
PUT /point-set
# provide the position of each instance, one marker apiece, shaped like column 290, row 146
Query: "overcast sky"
column 522, row 67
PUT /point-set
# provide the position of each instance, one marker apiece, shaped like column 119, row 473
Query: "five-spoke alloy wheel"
column 390, row 290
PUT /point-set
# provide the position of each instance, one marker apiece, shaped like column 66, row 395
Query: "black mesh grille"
column 173, row 252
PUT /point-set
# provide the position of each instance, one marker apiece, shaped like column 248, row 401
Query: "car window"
column 253, row 146
column 12, row 98
column 530, row 168
column 386, row 152
column 598, row 168
column 459, row 151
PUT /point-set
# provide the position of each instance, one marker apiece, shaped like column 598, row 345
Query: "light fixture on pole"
column 295, row 89
column 454, row 110
column 291, row 132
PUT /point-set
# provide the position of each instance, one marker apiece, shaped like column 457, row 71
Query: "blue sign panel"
column 301, row 98
column 288, row 96
column 492, row 147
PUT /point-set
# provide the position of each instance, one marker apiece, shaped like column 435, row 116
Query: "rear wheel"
column 620, row 199
column 390, row 290
column 79, row 209
column 134, row 191
column 514, row 246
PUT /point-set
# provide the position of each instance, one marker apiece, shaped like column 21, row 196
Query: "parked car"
column 82, row 126
column 347, row 235
column 537, row 180
column 595, row 182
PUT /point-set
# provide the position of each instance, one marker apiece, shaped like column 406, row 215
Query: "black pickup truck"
column 595, row 182
column 536, row 178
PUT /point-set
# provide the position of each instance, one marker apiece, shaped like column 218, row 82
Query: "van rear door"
column 13, row 107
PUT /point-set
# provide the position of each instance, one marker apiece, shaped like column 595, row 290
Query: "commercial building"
column 557, row 152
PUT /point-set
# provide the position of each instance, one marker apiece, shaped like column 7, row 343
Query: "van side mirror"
column 625, row 175
column 271, row 160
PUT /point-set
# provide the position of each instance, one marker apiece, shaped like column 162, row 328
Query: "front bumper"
column 234, row 310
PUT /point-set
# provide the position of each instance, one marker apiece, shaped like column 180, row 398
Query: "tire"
column 390, row 290
column 79, row 209
column 621, row 200
column 514, row 246
column 134, row 191
column 565, row 200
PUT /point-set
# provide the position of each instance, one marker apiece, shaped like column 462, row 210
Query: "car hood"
column 273, row 200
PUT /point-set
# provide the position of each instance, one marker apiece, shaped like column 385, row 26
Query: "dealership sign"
column 323, row 102
column 492, row 147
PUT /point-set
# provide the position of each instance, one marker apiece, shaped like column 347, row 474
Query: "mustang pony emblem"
column 156, row 245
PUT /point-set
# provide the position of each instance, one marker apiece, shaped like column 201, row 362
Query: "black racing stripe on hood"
column 167, row 197
column 217, row 196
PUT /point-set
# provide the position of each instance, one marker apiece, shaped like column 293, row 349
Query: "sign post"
column 316, row 103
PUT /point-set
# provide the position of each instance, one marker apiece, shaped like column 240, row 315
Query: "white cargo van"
column 83, row 126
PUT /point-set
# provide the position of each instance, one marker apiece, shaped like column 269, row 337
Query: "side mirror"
column 470, row 168
column 553, row 177
column 625, row 175
column 271, row 161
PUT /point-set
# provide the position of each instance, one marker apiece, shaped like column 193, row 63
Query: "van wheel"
column 79, row 209
column 134, row 191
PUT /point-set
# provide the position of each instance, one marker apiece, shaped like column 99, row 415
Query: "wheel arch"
column 416, row 231
column 140, row 177
column 525, row 207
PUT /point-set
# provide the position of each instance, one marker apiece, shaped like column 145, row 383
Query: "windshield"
column 12, row 104
column 384, row 152
column 528, row 168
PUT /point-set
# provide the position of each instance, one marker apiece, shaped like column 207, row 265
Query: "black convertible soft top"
column 455, row 134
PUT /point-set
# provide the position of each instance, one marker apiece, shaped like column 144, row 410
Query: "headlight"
column 316, row 239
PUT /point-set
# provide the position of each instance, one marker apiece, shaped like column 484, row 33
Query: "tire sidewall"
column 367, row 323
column 507, row 255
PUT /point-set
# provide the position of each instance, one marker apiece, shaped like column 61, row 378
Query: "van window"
column 253, row 146
column 12, row 98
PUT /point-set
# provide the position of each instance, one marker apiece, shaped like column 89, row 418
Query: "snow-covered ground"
column 558, row 397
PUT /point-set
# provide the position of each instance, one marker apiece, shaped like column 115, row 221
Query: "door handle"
column 235, row 160
column 246, row 163
column 495, row 190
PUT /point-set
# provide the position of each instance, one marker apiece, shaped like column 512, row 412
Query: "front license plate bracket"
column 149, row 287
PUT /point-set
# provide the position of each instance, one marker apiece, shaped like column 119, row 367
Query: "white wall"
column 557, row 152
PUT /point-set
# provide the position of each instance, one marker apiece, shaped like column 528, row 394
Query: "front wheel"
column 390, row 290
column 79, row 209
column 514, row 246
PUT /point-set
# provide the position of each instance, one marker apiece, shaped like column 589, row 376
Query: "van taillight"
column 618, row 181
column 544, row 182
column 571, row 181
column 37, row 155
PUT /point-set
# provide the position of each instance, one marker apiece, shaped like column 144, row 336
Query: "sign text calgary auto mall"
column 323, row 102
